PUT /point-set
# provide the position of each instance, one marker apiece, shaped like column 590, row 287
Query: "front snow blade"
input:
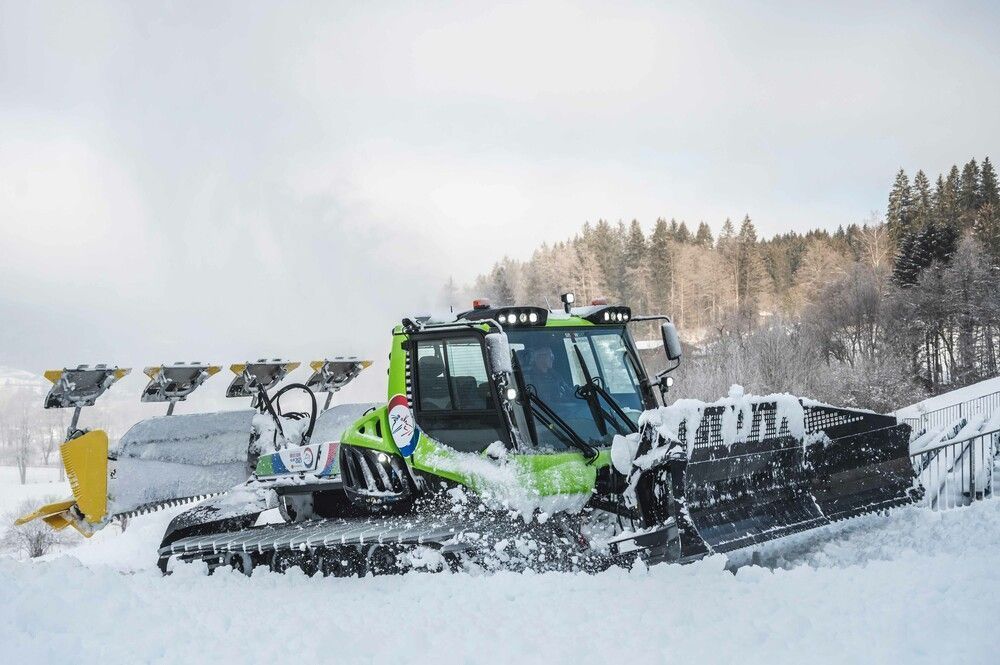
column 761, row 469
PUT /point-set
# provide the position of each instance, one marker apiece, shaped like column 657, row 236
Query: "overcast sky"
column 224, row 181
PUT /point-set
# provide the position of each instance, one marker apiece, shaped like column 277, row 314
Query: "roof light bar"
column 510, row 316
column 610, row 315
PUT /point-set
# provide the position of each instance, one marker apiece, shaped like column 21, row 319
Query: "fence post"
column 972, row 470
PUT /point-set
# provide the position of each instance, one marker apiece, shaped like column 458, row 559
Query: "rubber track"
column 321, row 533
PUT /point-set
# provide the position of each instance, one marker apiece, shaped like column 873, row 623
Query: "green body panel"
column 397, row 364
column 265, row 467
column 546, row 474
column 568, row 322
column 372, row 431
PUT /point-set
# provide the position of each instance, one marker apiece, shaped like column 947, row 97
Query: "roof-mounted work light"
column 568, row 299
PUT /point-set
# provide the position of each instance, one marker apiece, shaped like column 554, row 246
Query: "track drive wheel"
column 284, row 560
column 240, row 562
column 341, row 562
column 382, row 560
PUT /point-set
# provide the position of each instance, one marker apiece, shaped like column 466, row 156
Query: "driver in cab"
column 542, row 375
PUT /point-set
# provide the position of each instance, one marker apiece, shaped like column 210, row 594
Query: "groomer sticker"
column 404, row 429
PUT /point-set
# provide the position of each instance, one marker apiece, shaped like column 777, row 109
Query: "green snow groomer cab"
column 550, row 390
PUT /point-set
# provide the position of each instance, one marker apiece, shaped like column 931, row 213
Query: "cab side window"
column 455, row 403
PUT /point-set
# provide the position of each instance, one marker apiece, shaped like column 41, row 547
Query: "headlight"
column 512, row 394
column 502, row 318
column 533, row 317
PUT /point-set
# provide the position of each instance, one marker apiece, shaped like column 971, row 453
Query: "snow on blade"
column 737, row 418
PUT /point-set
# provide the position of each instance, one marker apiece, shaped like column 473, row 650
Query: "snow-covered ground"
column 42, row 482
column 916, row 586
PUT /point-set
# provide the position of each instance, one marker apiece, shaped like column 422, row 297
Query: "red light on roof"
column 481, row 303
column 599, row 301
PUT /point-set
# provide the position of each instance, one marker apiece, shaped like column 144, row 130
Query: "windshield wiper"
column 536, row 403
column 590, row 390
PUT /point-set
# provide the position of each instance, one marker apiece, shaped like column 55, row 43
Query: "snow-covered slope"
column 916, row 586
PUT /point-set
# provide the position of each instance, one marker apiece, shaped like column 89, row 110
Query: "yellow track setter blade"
column 86, row 462
column 53, row 514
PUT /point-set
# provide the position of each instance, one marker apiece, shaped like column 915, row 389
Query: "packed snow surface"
column 916, row 586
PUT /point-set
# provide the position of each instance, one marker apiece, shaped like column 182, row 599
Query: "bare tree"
column 876, row 245
column 20, row 436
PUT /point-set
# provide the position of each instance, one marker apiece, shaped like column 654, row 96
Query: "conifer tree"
column 727, row 234
column 637, row 273
column 986, row 230
column 683, row 234
column 899, row 213
column 988, row 184
column 603, row 244
column 922, row 200
column 502, row 283
column 704, row 236
column 749, row 270
column 620, row 262
column 908, row 266
column 940, row 241
column 946, row 208
column 660, row 266
column 969, row 189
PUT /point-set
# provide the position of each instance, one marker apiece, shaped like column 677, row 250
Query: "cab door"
column 454, row 401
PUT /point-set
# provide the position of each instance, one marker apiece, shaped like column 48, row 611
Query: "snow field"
column 916, row 586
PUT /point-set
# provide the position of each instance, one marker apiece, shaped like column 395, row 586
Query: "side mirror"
column 671, row 342
column 498, row 353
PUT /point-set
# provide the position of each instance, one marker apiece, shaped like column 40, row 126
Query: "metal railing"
column 984, row 404
column 956, row 473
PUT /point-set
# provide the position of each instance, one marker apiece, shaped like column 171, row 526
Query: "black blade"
column 769, row 483
column 755, row 490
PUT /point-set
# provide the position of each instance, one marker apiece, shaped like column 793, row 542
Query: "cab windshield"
column 547, row 363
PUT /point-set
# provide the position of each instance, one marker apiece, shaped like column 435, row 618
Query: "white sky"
column 219, row 182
